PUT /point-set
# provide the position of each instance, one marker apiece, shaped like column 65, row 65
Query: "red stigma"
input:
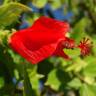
column 85, row 46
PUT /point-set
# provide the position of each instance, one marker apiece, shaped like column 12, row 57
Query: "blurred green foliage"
column 77, row 76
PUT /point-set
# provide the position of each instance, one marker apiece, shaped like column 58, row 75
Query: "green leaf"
column 90, row 70
column 33, row 77
column 63, row 62
column 94, row 44
column 16, row 57
column 79, row 29
column 87, row 90
column 16, row 73
column 6, row 59
column 10, row 12
column 78, row 65
column 55, row 4
column 4, row 37
column 58, row 78
column 31, row 80
column 89, row 80
column 39, row 3
column 53, row 80
column 73, row 5
column 72, row 53
column 1, row 82
column 90, row 59
column 75, row 83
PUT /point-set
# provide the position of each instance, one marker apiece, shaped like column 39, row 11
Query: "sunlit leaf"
column 90, row 70
column 55, row 4
column 77, row 65
column 75, row 83
column 72, row 53
column 87, row 90
column 79, row 29
column 39, row 3
column 10, row 12
column 53, row 80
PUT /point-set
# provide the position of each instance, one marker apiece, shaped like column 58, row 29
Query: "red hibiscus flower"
column 46, row 37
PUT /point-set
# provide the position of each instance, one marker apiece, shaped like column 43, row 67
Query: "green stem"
column 27, row 85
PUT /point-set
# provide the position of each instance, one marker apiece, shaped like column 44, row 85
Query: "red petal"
column 52, row 24
column 39, row 41
column 33, row 56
